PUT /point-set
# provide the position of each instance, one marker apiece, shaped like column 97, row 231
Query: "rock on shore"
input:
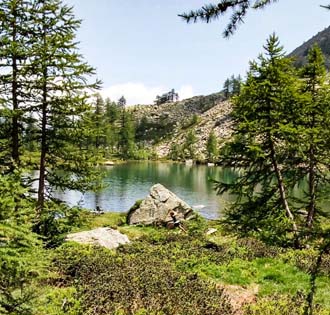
column 156, row 208
column 105, row 237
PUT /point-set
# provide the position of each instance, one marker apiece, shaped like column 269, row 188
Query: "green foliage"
column 267, row 147
column 56, row 220
column 141, row 283
column 109, row 219
column 189, row 145
column 19, row 251
column 176, row 152
column 270, row 274
column 112, row 111
column 152, row 131
column 148, row 274
column 232, row 86
column 212, row 147
column 277, row 305
column 126, row 143
column 194, row 120
column 314, row 135
column 215, row 10
column 58, row 301
column 62, row 106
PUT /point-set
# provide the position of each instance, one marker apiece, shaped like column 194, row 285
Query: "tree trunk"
column 312, row 188
column 43, row 149
column 280, row 184
column 15, row 123
column 311, row 171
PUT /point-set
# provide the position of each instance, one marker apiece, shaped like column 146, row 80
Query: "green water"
column 128, row 182
column 131, row 181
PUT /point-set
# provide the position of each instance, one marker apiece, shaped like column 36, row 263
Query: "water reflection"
column 129, row 182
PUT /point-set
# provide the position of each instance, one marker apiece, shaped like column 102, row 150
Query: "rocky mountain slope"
column 322, row 39
column 161, row 125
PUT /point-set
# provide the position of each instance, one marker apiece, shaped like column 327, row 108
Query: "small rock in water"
column 109, row 163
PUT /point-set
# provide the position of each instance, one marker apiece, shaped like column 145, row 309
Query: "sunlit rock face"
column 156, row 208
column 105, row 237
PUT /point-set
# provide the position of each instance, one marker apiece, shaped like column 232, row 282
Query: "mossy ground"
column 137, row 271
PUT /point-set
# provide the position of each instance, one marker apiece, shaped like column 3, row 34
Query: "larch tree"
column 315, row 125
column 61, row 91
column 19, row 250
column 264, row 113
column 212, row 147
column 214, row 11
column 189, row 145
column 15, row 52
column 126, row 141
column 99, row 122
column 239, row 9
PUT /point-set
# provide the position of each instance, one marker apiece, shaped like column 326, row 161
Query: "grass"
column 220, row 259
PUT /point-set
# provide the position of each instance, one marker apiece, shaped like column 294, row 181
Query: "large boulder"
column 105, row 237
column 156, row 208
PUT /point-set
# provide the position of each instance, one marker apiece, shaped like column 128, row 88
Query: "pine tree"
column 232, row 86
column 15, row 51
column 127, row 135
column 122, row 102
column 213, row 11
column 189, row 146
column 212, row 147
column 112, row 114
column 99, row 122
column 30, row 133
column 19, row 259
column 112, row 111
column 226, row 88
column 314, row 128
column 264, row 114
column 61, row 91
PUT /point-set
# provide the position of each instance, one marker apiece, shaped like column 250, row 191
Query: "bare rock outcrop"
column 105, row 237
column 156, row 208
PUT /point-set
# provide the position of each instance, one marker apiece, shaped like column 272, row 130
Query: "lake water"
column 131, row 181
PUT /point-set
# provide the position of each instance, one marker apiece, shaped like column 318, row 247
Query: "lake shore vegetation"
column 270, row 254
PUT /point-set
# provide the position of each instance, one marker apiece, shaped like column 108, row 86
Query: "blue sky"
column 141, row 48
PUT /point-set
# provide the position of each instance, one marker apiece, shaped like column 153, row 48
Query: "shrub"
column 281, row 305
column 145, row 284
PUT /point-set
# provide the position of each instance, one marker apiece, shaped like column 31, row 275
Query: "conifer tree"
column 19, row 248
column 264, row 114
column 61, row 91
column 99, row 122
column 214, row 11
column 189, row 146
column 15, row 50
column 112, row 111
column 127, row 135
column 315, row 128
column 212, row 147
column 122, row 102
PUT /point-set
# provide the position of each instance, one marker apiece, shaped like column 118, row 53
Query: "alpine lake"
column 125, row 183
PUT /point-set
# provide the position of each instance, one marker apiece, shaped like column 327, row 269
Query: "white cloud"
column 139, row 93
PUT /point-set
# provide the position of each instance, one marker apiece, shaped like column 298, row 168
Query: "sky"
column 141, row 48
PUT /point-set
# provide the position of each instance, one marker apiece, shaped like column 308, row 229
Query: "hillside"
column 161, row 125
column 322, row 39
